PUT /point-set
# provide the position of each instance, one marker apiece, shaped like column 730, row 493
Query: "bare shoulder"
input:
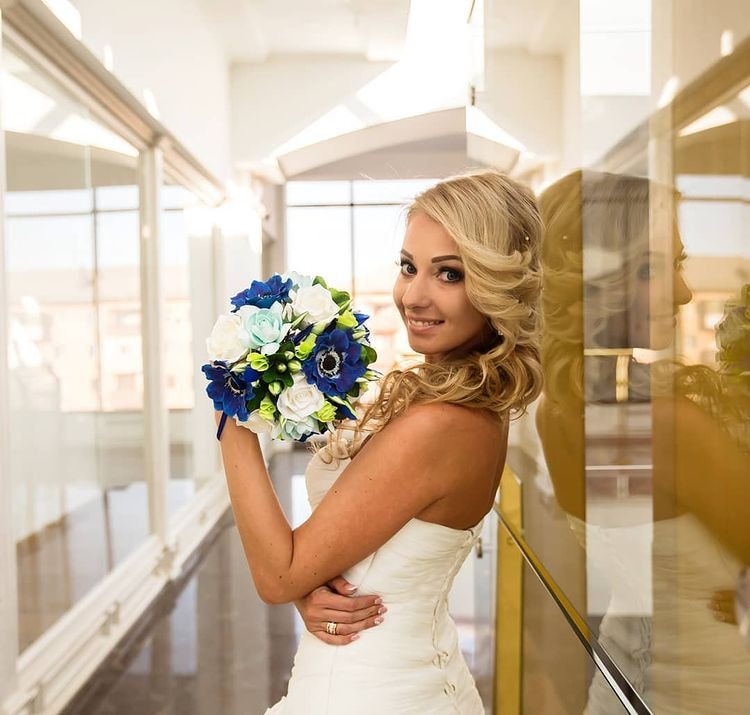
column 453, row 429
column 416, row 461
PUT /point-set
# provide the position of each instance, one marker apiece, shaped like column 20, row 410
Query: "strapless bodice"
column 416, row 565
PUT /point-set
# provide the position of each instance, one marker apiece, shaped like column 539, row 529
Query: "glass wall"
column 631, row 470
column 75, row 353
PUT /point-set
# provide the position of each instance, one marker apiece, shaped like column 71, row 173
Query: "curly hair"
column 495, row 223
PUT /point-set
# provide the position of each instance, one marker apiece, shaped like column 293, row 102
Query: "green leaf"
column 368, row 354
column 343, row 301
column 254, row 403
column 298, row 320
column 340, row 401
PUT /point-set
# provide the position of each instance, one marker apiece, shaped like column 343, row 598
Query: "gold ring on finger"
column 331, row 628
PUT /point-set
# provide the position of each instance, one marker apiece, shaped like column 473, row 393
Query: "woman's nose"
column 416, row 294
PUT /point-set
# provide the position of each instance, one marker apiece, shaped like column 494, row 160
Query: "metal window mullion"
column 8, row 564
column 155, row 422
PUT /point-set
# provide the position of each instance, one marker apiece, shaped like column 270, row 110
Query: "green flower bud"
column 275, row 388
column 306, row 346
column 326, row 413
column 267, row 408
column 288, row 355
column 281, row 367
column 258, row 362
column 346, row 320
column 294, row 365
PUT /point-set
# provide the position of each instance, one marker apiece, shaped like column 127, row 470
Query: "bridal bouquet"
column 290, row 358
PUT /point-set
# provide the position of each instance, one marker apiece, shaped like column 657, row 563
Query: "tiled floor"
column 210, row 645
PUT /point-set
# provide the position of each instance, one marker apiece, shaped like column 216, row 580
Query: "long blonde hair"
column 496, row 225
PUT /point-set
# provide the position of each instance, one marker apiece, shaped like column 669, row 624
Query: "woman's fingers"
column 329, row 599
column 342, row 586
column 335, row 640
column 330, row 614
column 348, row 629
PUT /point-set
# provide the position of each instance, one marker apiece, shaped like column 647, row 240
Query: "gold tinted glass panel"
column 634, row 465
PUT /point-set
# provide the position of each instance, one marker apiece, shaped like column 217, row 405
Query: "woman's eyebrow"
column 445, row 258
column 437, row 259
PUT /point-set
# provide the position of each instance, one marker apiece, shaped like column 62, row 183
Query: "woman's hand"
column 351, row 613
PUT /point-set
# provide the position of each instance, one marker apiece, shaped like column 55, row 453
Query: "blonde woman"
column 396, row 513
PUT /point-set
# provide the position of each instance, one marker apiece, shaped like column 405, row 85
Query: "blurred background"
column 156, row 157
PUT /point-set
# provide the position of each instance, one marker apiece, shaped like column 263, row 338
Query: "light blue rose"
column 265, row 327
column 289, row 429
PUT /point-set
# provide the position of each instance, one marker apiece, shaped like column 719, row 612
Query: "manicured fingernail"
column 378, row 620
column 378, row 601
column 382, row 610
column 354, row 637
column 351, row 587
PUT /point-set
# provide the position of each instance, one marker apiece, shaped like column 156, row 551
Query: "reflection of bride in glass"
column 606, row 292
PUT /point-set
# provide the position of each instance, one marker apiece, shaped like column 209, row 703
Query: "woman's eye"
column 404, row 266
column 452, row 275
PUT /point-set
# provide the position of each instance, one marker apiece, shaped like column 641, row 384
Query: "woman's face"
column 655, row 310
column 430, row 292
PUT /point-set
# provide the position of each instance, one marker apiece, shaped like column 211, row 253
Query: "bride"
column 395, row 514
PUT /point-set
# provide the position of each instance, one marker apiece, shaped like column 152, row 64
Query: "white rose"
column 298, row 279
column 317, row 302
column 300, row 400
column 255, row 423
column 229, row 340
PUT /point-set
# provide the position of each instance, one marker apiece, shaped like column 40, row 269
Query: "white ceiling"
column 253, row 30
column 538, row 26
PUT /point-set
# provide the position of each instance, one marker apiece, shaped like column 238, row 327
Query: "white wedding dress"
column 676, row 654
column 409, row 664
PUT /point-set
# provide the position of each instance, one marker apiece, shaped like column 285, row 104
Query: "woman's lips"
column 422, row 326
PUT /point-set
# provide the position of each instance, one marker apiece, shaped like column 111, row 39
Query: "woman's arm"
column 403, row 469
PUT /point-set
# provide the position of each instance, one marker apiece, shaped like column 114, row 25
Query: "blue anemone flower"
column 230, row 391
column 334, row 364
column 263, row 294
column 361, row 318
